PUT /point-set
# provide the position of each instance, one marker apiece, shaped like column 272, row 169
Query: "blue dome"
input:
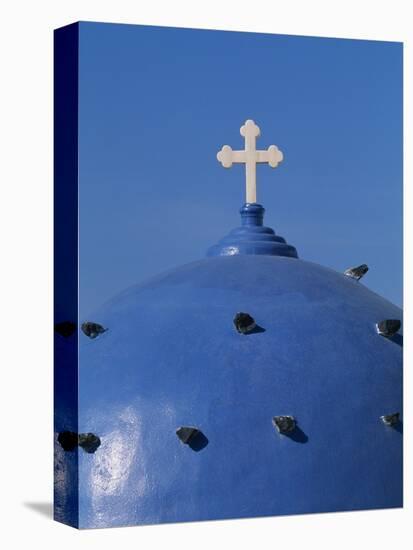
column 170, row 357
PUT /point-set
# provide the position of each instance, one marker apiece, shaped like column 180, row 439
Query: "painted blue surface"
column 171, row 357
column 66, row 282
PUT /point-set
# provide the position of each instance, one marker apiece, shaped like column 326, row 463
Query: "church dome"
column 249, row 383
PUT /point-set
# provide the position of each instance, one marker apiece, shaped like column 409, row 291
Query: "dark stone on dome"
column 65, row 328
column 391, row 419
column 388, row 327
column 89, row 442
column 68, row 440
column 244, row 323
column 357, row 272
column 92, row 330
column 186, row 433
column 193, row 437
column 284, row 424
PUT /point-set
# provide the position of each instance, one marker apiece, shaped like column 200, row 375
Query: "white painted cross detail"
column 250, row 157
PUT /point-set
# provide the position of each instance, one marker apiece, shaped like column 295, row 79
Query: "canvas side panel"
column 66, row 493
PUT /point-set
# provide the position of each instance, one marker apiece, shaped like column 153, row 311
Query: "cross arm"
column 272, row 155
column 227, row 156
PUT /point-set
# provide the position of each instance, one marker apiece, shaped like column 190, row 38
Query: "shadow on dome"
column 198, row 442
column 256, row 330
column 398, row 427
column 397, row 339
column 297, row 435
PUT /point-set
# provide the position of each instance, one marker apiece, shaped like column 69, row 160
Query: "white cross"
column 250, row 157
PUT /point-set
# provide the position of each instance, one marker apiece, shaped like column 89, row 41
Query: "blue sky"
column 156, row 104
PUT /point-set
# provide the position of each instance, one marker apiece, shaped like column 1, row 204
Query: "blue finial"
column 252, row 214
column 252, row 237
